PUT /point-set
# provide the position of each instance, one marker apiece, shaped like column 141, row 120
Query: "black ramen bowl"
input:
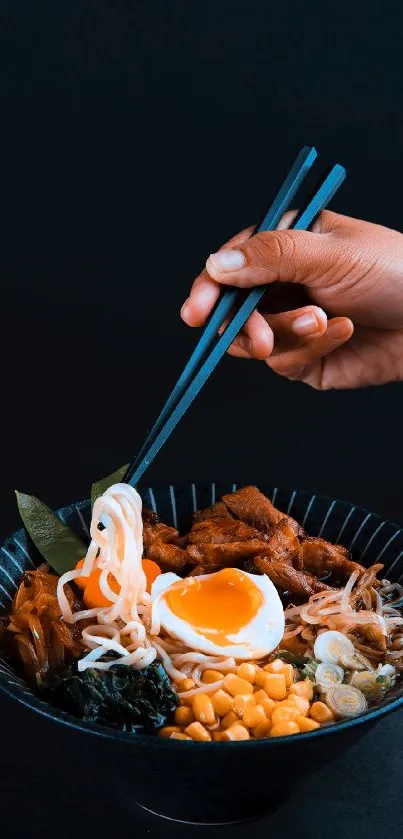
column 208, row 782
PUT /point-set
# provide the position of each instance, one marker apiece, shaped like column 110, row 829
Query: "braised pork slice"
column 227, row 555
column 251, row 506
column 217, row 511
column 149, row 516
column 168, row 557
column 318, row 585
column 287, row 578
column 221, row 531
column 159, row 533
column 320, row 557
column 163, row 545
column 283, row 545
column 202, row 569
column 250, row 567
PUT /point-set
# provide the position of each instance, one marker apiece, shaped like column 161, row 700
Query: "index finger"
column 205, row 291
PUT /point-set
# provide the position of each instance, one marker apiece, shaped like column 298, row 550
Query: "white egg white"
column 256, row 639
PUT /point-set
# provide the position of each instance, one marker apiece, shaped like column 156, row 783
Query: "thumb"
column 295, row 256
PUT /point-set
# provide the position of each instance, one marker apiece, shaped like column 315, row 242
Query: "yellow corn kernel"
column 185, row 684
column 274, row 685
column 278, row 666
column 197, row 731
column 221, row 702
column 260, row 676
column 288, row 675
column 241, row 702
column 299, row 702
column 168, row 730
column 234, row 685
column 184, row 715
column 203, row 709
column 306, row 724
column 210, row 676
column 284, row 713
column 268, row 706
column 217, row 735
column 177, row 735
column 282, row 729
column 253, row 716
column 260, row 695
column 262, row 730
column 235, row 732
column 303, row 689
column 247, row 671
column 275, row 666
column 229, row 718
column 320, row 712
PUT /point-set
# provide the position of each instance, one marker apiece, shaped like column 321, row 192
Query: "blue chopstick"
column 320, row 200
column 285, row 195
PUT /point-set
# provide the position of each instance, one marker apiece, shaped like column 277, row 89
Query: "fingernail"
column 305, row 325
column 226, row 260
column 336, row 330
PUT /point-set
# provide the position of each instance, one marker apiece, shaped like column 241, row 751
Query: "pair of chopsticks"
column 211, row 347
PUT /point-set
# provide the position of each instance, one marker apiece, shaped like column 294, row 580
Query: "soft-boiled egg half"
column 229, row 612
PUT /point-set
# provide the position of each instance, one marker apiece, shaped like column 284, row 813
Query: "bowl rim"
column 57, row 715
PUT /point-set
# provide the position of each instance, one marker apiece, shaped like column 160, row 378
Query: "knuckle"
column 276, row 248
column 322, row 382
column 310, row 372
column 316, row 384
column 285, row 367
column 316, row 377
column 327, row 222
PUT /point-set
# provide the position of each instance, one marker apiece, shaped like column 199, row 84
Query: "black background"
column 135, row 138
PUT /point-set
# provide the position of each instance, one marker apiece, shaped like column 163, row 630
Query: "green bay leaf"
column 101, row 486
column 57, row 543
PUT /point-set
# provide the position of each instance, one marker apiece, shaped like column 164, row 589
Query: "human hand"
column 332, row 315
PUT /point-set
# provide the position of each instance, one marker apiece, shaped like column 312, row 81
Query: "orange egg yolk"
column 218, row 606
